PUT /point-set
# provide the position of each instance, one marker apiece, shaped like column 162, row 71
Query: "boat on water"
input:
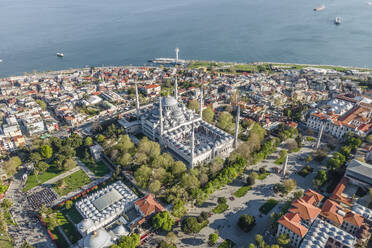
column 320, row 8
column 338, row 20
column 60, row 54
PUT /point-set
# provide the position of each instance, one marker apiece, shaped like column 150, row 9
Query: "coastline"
column 200, row 64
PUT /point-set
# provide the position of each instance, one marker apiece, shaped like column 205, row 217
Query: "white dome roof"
column 120, row 230
column 98, row 239
column 86, row 224
column 169, row 101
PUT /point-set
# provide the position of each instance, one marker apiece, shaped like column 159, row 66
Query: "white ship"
column 320, row 8
column 60, row 54
column 338, row 20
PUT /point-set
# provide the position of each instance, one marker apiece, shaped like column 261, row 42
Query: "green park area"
column 242, row 191
column 34, row 180
column 268, row 205
column 98, row 168
column 71, row 183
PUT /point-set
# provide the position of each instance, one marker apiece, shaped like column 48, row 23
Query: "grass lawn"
column 68, row 228
column 73, row 214
column 227, row 244
column 33, row 181
column 262, row 176
column 72, row 183
column 309, row 138
column 268, row 205
column 242, row 191
column 5, row 243
column 305, row 171
column 8, row 218
column 99, row 169
column 279, row 161
column 59, row 239
column 220, row 208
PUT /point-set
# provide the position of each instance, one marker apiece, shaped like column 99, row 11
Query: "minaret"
column 237, row 127
column 137, row 102
column 201, row 103
column 161, row 120
column 192, row 144
column 177, row 50
column 176, row 89
column 320, row 136
column 284, row 169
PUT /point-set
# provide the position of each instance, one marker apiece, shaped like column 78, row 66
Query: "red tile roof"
column 148, row 205
column 354, row 218
column 329, row 211
column 292, row 221
column 306, row 210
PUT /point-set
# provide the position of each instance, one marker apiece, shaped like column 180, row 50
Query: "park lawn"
column 33, row 181
column 279, row 161
column 242, row 191
column 5, row 242
column 227, row 244
column 262, row 176
column 8, row 218
column 220, row 208
column 309, row 138
column 68, row 228
column 59, row 239
column 73, row 214
column 72, row 182
column 99, row 169
column 305, row 171
column 268, row 205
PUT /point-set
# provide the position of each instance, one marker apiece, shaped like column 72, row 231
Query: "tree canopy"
column 163, row 220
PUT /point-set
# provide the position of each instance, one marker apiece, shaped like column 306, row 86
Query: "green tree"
column 179, row 209
column 208, row 114
column 289, row 185
column 88, row 141
column 35, row 157
column 26, row 245
column 250, row 180
column 142, row 175
column 69, row 204
column 154, row 186
column 212, row 239
column 225, row 122
column 320, row 178
column 6, row 203
column 336, row 161
column 100, row 138
column 171, row 238
column 178, row 168
column 69, row 164
column 189, row 181
column 131, row 241
column 125, row 159
column 283, row 239
column 42, row 167
column 163, row 220
column 246, row 222
column 194, row 105
column 3, row 224
column 42, row 104
column 46, row 151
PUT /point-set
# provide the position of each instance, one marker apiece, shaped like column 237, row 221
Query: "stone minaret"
column 176, row 89
column 237, row 127
column 161, row 120
column 137, row 102
column 192, row 144
column 284, row 169
column 320, row 136
column 201, row 103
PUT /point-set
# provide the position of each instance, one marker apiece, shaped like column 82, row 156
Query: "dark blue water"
column 123, row 32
